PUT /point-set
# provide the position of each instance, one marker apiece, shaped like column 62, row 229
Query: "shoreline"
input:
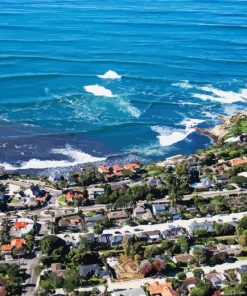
column 219, row 131
column 215, row 133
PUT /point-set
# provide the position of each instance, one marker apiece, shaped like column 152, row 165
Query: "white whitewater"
column 76, row 157
column 168, row 137
column 99, row 91
column 110, row 75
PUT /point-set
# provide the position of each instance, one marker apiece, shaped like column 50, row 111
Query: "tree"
column 198, row 273
column 242, row 239
column 71, row 280
column 181, row 276
column 242, row 224
column 202, row 289
column 240, row 180
column 54, row 249
column 183, row 244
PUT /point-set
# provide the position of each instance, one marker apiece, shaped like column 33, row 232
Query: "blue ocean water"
column 181, row 62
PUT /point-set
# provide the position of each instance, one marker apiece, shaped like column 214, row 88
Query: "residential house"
column 118, row 217
column 93, row 192
column 142, row 236
column 201, row 225
column 153, row 236
column 130, row 292
column 74, row 194
column 222, row 179
column 188, row 284
column 159, row 208
column 161, row 289
column 12, row 189
column 15, row 243
column 174, row 232
column 118, row 170
column 94, row 270
column 217, row 279
column 116, row 240
column 91, row 221
column 141, row 212
column 231, row 250
column 104, row 169
column 22, row 226
column 238, row 161
column 134, row 167
column 184, row 259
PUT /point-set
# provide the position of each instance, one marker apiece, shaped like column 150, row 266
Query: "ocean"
column 115, row 81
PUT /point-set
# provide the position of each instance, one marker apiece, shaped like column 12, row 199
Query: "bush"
column 181, row 276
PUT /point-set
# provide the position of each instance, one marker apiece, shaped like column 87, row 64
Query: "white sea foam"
column 99, row 91
column 127, row 107
column 168, row 136
column 210, row 93
column 183, row 84
column 76, row 157
column 110, row 75
column 191, row 122
column 221, row 96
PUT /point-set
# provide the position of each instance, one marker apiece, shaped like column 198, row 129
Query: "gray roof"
column 94, row 218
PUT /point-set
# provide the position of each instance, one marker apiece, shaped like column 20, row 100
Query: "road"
column 182, row 223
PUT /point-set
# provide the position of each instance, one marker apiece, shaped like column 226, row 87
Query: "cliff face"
column 220, row 131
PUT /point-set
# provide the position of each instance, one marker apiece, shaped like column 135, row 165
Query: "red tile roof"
column 7, row 247
column 132, row 166
column 238, row 161
column 20, row 224
column 18, row 242
column 117, row 168
column 104, row 169
column 163, row 289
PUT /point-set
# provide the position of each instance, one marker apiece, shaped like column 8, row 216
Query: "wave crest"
column 110, row 75
column 99, row 91
column 76, row 157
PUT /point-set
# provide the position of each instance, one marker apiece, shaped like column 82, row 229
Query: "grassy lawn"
column 242, row 258
column 226, row 237
column 15, row 201
column 62, row 200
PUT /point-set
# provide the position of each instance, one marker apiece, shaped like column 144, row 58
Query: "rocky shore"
column 220, row 131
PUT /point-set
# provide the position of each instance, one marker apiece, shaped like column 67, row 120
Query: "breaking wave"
column 210, row 93
column 168, row 136
column 99, row 91
column 110, row 75
column 221, row 96
column 76, row 157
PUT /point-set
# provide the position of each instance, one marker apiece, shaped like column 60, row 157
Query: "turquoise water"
column 180, row 62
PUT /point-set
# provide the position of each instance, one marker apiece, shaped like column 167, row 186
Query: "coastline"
column 220, row 131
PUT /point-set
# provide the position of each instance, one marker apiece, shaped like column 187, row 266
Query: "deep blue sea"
column 176, row 65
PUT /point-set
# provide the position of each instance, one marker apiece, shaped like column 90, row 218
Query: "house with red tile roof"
column 134, row 167
column 161, row 289
column 104, row 169
column 239, row 160
column 73, row 194
column 17, row 242
column 20, row 225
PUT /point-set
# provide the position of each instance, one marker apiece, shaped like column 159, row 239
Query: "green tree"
column 71, row 280
column 183, row 244
column 202, row 289
column 198, row 273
